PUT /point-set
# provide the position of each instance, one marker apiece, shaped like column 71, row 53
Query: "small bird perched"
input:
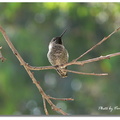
column 57, row 54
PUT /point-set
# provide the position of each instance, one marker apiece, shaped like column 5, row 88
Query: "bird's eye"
column 54, row 39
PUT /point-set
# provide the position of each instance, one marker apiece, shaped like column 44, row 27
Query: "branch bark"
column 1, row 56
column 104, row 39
column 25, row 65
column 28, row 69
column 92, row 60
column 45, row 108
column 78, row 63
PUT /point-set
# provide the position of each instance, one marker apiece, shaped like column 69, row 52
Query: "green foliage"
column 30, row 27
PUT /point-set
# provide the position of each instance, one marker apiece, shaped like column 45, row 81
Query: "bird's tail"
column 62, row 73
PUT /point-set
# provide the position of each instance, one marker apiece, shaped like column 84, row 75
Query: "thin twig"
column 76, row 72
column 11, row 46
column 45, row 108
column 62, row 99
column 40, row 68
column 1, row 56
column 92, row 60
column 104, row 39
column 97, row 59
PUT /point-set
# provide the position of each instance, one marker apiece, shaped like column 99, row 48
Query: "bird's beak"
column 63, row 33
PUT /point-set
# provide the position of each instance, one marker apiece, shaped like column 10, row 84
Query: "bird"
column 58, row 55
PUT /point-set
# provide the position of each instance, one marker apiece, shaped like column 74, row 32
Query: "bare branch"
column 11, row 46
column 40, row 68
column 92, row 60
column 44, row 95
column 104, row 39
column 22, row 62
column 97, row 59
column 62, row 99
column 76, row 72
column 1, row 56
column 28, row 69
column 59, row 110
column 78, row 63
column 45, row 108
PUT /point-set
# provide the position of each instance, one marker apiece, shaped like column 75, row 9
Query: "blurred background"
column 30, row 27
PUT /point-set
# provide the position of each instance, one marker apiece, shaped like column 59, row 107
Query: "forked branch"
column 104, row 39
column 22, row 62
column 28, row 69
column 77, row 63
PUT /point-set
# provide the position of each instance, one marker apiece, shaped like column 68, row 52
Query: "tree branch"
column 104, row 39
column 22, row 62
column 1, row 56
column 40, row 68
column 45, row 108
column 78, row 63
column 92, row 60
column 76, row 72
column 28, row 69
column 62, row 99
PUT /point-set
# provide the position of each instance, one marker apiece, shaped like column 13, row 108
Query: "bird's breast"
column 56, row 49
column 57, row 54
